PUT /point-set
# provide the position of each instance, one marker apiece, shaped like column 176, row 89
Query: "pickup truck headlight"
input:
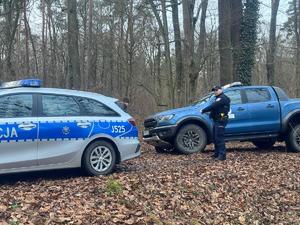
column 165, row 117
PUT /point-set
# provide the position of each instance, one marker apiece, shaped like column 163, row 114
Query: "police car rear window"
column 57, row 105
column 14, row 106
column 95, row 108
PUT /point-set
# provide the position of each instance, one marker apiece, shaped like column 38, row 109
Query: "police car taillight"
column 132, row 122
column 22, row 83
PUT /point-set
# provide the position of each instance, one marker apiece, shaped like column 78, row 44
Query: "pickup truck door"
column 264, row 110
column 239, row 117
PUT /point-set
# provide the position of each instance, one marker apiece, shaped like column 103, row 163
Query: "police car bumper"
column 129, row 149
column 159, row 136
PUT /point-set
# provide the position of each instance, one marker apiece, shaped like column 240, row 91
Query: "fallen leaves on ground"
column 251, row 187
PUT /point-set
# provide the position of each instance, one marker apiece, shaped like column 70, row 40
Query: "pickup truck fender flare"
column 197, row 120
column 287, row 118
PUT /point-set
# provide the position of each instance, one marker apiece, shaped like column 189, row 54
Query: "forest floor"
column 252, row 187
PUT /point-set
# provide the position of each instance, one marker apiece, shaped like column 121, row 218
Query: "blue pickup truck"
column 260, row 114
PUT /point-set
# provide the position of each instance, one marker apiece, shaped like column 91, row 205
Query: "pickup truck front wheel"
column 264, row 144
column 190, row 138
column 293, row 139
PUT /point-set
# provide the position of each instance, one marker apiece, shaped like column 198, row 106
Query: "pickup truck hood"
column 192, row 109
column 175, row 111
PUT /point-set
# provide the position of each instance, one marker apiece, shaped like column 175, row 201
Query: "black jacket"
column 219, row 109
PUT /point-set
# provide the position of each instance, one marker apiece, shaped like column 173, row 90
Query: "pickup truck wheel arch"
column 293, row 139
column 293, row 118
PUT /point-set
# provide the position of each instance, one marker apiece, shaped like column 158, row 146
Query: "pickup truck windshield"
column 203, row 100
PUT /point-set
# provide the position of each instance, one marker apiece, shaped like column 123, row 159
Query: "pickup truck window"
column 235, row 97
column 258, row 95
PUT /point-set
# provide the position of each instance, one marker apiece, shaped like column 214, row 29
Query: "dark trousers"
column 220, row 148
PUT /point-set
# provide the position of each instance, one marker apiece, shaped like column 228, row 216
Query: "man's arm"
column 214, row 105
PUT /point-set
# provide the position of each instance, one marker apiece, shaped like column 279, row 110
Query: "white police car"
column 47, row 128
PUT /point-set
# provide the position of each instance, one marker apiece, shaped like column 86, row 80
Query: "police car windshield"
column 203, row 100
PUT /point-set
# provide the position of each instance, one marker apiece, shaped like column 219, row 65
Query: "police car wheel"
column 293, row 139
column 190, row 138
column 264, row 144
column 99, row 158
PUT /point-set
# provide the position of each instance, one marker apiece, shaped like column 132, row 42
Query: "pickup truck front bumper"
column 160, row 136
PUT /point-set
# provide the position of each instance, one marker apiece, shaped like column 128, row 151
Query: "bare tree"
column 73, row 78
column 11, row 13
column 180, row 81
column 164, row 78
column 236, row 16
column 225, row 41
column 272, row 44
column 90, row 75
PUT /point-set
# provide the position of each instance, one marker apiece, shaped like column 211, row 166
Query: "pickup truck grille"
column 150, row 123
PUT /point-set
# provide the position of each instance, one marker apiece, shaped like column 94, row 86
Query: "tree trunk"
column 225, row 42
column 43, row 7
column 189, row 42
column 201, row 52
column 236, row 16
column 73, row 78
column 180, row 81
column 296, row 4
column 272, row 44
column 12, row 14
column 91, row 76
column 168, row 54
column 26, row 39
column 164, row 78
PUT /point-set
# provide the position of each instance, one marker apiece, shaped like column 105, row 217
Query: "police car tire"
column 264, row 144
column 291, row 141
column 88, row 153
column 192, row 128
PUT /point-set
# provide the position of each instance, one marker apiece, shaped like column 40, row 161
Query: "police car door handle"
column 84, row 124
column 241, row 109
column 270, row 106
column 27, row 126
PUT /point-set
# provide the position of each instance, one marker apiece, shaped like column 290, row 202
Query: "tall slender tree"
column 248, row 40
column 272, row 44
column 180, row 81
column 236, row 17
column 73, row 77
column 225, row 48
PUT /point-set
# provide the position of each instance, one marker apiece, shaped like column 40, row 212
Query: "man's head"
column 217, row 90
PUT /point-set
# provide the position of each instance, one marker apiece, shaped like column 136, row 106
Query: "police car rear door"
column 62, row 129
column 18, row 131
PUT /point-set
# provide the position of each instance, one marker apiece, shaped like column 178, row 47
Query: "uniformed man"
column 219, row 113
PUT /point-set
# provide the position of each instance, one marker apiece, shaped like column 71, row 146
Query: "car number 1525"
column 118, row 129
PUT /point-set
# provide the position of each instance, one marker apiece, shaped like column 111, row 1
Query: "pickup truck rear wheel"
column 264, row 144
column 190, row 138
column 293, row 139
